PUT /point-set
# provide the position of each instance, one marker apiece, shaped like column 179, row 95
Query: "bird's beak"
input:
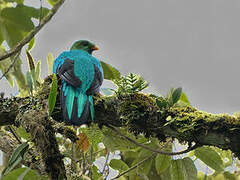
column 95, row 48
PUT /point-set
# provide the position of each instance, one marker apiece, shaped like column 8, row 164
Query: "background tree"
column 133, row 134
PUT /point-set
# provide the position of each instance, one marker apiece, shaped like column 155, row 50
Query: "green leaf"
column 161, row 103
column 143, row 168
column 94, row 135
column 115, row 142
column 17, row 156
column 23, row 174
column 1, row 38
column 229, row 176
column 4, row 65
column 16, row 22
column 22, row 133
column 176, row 170
column 96, row 174
column 110, row 72
column 119, row 165
column 31, row 44
column 176, row 95
column 52, row 2
column 50, row 60
column 209, row 157
column 29, row 81
column 38, row 71
column 53, row 94
column 31, row 63
column 162, row 162
column 189, row 169
column 184, row 98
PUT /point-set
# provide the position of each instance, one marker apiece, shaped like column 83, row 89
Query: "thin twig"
column 91, row 160
column 90, row 156
column 150, row 149
column 40, row 13
column 141, row 162
column 105, row 164
column 15, row 134
column 11, row 65
column 28, row 38
column 73, row 159
column 135, row 166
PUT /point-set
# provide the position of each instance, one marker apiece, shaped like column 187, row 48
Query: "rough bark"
column 136, row 112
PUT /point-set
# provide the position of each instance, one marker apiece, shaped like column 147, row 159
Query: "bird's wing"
column 66, row 72
column 97, row 82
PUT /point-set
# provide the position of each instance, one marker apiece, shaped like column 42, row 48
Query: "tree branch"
column 190, row 148
column 139, row 114
column 33, row 32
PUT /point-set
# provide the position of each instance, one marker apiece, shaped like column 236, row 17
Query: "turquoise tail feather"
column 90, row 98
column 77, row 107
column 70, row 95
column 81, row 102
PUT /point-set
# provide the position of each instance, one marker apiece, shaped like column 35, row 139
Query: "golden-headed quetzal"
column 81, row 76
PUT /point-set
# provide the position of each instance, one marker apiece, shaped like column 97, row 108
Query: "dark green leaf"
column 53, row 94
column 110, row 72
column 162, row 162
column 209, row 157
column 17, row 156
column 119, row 165
column 161, row 103
column 31, row 63
column 176, row 95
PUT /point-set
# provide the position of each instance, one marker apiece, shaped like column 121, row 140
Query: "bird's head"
column 84, row 45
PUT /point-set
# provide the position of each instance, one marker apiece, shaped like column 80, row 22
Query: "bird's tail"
column 77, row 107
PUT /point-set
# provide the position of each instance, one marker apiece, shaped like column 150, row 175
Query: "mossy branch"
column 139, row 114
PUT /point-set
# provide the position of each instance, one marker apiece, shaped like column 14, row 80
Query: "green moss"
column 186, row 119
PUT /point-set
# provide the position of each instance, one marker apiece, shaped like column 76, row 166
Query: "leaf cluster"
column 130, row 84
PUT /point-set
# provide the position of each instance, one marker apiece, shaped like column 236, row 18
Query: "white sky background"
column 171, row 43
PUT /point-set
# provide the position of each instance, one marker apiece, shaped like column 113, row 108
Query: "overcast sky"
column 171, row 43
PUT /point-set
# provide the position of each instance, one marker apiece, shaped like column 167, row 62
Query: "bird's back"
column 78, row 65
